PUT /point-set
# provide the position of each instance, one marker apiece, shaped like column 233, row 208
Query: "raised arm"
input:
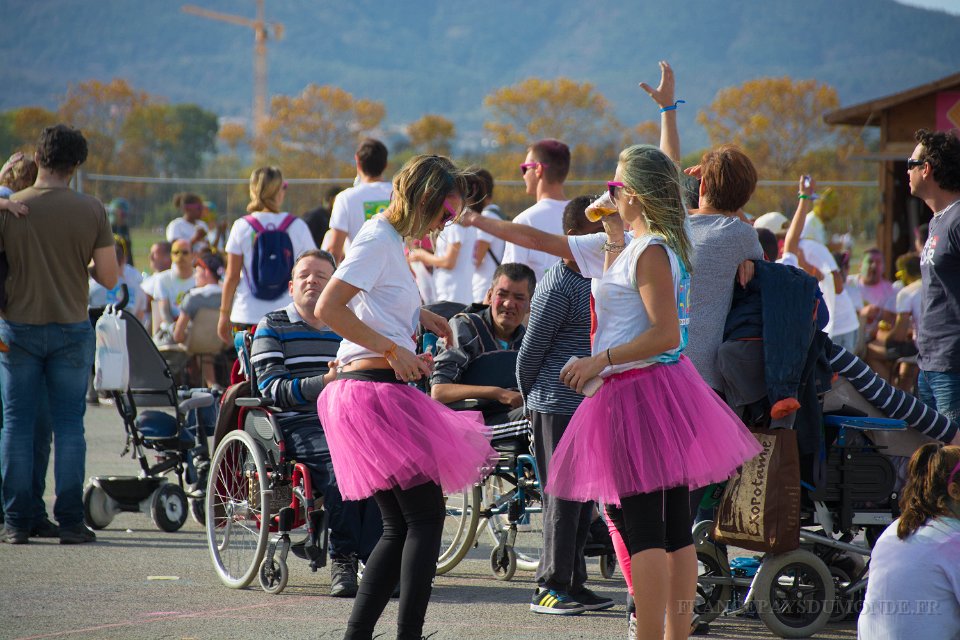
column 665, row 97
column 520, row 234
column 791, row 244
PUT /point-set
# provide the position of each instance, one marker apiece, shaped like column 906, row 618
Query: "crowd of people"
column 617, row 319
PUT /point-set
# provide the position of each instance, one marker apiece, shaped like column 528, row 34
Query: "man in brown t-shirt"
column 46, row 329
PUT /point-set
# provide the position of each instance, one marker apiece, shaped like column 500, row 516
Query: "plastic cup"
column 602, row 206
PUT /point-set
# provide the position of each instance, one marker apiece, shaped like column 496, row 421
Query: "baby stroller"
column 175, row 428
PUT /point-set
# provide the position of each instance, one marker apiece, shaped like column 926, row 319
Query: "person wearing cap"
column 207, row 274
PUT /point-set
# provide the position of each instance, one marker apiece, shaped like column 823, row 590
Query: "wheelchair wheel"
column 236, row 494
column 503, row 564
column 459, row 527
column 528, row 546
column 168, row 507
column 608, row 565
column 98, row 507
column 198, row 510
column 794, row 594
column 273, row 575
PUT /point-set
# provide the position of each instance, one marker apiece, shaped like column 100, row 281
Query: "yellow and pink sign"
column 948, row 110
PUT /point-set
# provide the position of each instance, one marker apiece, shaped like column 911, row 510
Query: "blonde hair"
column 419, row 189
column 654, row 179
column 266, row 183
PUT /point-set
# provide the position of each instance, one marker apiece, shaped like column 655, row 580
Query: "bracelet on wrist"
column 611, row 247
column 672, row 107
column 802, row 196
column 391, row 352
column 609, row 359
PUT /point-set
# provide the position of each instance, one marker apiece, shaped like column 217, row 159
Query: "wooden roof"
column 867, row 113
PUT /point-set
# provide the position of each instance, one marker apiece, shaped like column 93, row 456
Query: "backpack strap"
column 253, row 222
column 286, row 223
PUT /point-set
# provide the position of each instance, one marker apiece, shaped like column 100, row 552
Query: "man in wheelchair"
column 480, row 366
column 291, row 355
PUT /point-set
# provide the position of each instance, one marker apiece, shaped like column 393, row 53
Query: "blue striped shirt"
column 559, row 328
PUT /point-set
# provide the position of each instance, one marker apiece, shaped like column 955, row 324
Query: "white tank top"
column 621, row 316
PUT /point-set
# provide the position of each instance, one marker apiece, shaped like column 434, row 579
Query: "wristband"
column 802, row 196
column 672, row 107
column 609, row 359
column 391, row 352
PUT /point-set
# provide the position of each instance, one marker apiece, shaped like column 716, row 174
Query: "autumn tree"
column 168, row 140
column 432, row 134
column 779, row 123
column 100, row 110
column 317, row 131
column 233, row 135
column 20, row 128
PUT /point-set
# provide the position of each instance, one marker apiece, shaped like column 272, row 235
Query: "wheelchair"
column 797, row 593
column 257, row 497
column 175, row 427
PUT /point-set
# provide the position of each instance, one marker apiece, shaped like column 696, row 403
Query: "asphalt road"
column 140, row 583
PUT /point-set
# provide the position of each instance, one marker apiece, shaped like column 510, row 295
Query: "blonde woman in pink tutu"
column 388, row 439
column 654, row 430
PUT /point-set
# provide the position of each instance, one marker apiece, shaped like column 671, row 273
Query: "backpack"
column 272, row 259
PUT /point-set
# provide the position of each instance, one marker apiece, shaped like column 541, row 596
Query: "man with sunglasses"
column 934, row 174
column 543, row 170
column 168, row 289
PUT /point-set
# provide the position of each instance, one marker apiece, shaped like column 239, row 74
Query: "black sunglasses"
column 911, row 163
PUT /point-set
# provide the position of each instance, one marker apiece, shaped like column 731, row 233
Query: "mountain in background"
column 444, row 57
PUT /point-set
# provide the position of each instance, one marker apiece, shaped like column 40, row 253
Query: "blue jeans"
column 60, row 356
column 355, row 525
column 941, row 390
column 41, row 458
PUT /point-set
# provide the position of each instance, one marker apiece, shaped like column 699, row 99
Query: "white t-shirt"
column 843, row 316
column 166, row 285
column 246, row 308
column 914, row 587
column 483, row 276
column 910, row 300
column 789, row 259
column 546, row 215
column 621, row 315
column 180, row 229
column 588, row 253
column 388, row 301
column 354, row 206
column 456, row 285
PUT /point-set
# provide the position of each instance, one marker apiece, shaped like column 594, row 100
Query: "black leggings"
column 658, row 520
column 407, row 553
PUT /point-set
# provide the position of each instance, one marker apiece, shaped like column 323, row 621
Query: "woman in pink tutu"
column 654, row 430
column 388, row 439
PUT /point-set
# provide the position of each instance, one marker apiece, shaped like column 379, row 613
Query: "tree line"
column 777, row 121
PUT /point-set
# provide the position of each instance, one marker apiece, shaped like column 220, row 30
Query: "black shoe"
column 698, row 628
column 15, row 536
column 45, row 529
column 591, row 601
column 558, row 603
column 343, row 577
column 77, row 534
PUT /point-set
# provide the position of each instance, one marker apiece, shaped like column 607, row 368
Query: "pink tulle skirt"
column 383, row 435
column 645, row 430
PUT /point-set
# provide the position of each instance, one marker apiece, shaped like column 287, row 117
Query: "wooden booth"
column 934, row 106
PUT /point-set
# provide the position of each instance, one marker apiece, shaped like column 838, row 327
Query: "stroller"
column 176, row 428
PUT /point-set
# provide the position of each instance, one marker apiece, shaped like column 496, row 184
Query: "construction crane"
column 259, row 26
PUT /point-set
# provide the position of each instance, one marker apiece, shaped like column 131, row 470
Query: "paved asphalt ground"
column 138, row 582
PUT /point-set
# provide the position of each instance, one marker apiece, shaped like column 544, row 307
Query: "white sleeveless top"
column 621, row 316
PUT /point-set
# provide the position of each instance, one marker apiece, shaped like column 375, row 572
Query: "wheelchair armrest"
column 262, row 403
column 196, row 400
column 466, row 405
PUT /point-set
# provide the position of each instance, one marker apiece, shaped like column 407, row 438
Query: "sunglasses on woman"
column 449, row 215
column 612, row 189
